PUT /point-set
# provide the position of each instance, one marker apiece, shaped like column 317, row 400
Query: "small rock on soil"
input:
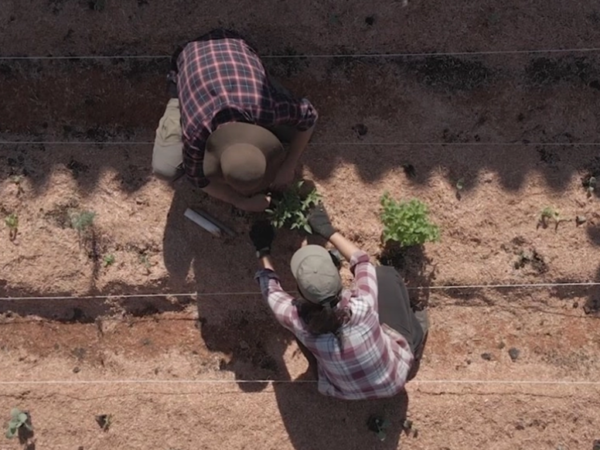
column 514, row 353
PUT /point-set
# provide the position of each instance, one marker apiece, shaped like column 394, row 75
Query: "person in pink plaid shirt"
column 366, row 341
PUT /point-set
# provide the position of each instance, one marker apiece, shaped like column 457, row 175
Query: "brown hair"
column 323, row 318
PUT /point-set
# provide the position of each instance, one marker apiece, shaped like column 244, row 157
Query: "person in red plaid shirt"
column 232, row 118
column 366, row 341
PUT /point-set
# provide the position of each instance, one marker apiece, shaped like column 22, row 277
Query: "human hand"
column 256, row 203
column 262, row 234
column 319, row 221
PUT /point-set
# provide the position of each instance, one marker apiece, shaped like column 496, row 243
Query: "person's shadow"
column 242, row 328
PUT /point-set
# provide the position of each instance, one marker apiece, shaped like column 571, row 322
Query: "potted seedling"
column 290, row 208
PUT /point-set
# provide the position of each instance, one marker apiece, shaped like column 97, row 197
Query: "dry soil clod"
column 514, row 353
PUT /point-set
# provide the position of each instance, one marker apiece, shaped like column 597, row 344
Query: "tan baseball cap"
column 317, row 277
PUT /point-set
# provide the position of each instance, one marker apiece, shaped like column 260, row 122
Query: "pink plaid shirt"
column 374, row 361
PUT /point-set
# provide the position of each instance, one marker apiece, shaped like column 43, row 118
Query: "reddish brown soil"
column 515, row 128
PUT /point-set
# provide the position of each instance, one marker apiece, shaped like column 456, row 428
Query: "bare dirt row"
column 526, row 335
column 144, row 26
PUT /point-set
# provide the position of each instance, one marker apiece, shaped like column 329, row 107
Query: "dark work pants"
column 394, row 307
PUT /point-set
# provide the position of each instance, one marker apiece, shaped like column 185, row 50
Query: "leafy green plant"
column 407, row 223
column 291, row 209
column 12, row 222
column 109, row 260
column 18, row 419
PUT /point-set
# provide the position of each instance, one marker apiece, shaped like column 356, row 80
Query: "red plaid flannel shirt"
column 222, row 80
column 374, row 361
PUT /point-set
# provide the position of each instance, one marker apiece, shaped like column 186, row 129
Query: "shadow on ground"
column 243, row 328
column 456, row 102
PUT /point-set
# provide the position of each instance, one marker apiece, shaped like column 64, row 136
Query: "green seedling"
column 590, row 185
column 81, row 221
column 12, row 222
column 548, row 215
column 291, row 210
column 105, row 421
column 145, row 261
column 379, row 426
column 407, row 223
column 18, row 419
column 17, row 179
column 109, row 260
column 460, row 185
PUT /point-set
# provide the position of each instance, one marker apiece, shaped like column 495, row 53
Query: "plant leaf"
column 23, row 417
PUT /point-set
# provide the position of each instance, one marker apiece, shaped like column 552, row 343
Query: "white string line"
column 383, row 144
column 324, row 55
column 232, row 381
column 231, row 294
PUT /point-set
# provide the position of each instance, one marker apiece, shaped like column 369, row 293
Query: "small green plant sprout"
column 548, row 215
column 409, row 426
column 145, row 261
column 17, row 180
column 82, row 220
column 379, row 426
column 460, row 185
column 407, row 223
column 12, row 222
column 109, row 260
column 292, row 207
column 18, row 419
column 590, row 185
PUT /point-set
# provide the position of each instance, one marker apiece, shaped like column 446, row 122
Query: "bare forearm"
column 344, row 246
column 297, row 146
